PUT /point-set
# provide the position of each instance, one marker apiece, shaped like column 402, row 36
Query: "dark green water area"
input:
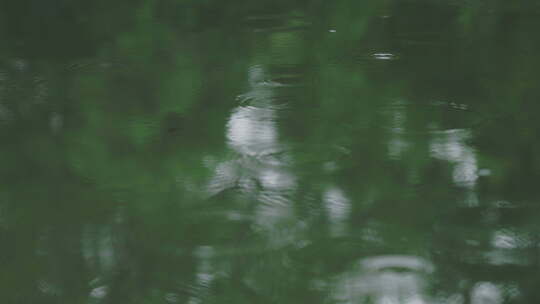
column 269, row 151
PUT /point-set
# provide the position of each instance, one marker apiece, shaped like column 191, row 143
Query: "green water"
column 307, row 151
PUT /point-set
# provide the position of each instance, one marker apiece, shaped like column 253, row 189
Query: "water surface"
column 306, row 151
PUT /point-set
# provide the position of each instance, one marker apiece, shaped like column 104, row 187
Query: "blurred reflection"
column 451, row 146
column 207, row 152
column 386, row 280
column 486, row 293
column 262, row 166
column 252, row 133
column 397, row 143
column 338, row 207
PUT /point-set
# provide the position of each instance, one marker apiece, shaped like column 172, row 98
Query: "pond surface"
column 308, row 151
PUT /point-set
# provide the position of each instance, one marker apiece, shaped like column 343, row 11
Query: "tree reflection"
column 299, row 151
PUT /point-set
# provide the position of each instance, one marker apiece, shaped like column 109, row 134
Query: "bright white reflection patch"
column 338, row 207
column 504, row 240
column 511, row 239
column 382, row 262
column 259, row 167
column 384, row 56
column 451, row 146
column 276, row 179
column 99, row 292
column 252, row 130
column 486, row 293
column 396, row 279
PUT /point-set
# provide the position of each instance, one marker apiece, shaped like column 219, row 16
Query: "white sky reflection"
column 338, row 207
column 398, row 279
column 451, row 146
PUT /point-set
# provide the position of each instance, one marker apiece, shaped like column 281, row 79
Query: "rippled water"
column 370, row 152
